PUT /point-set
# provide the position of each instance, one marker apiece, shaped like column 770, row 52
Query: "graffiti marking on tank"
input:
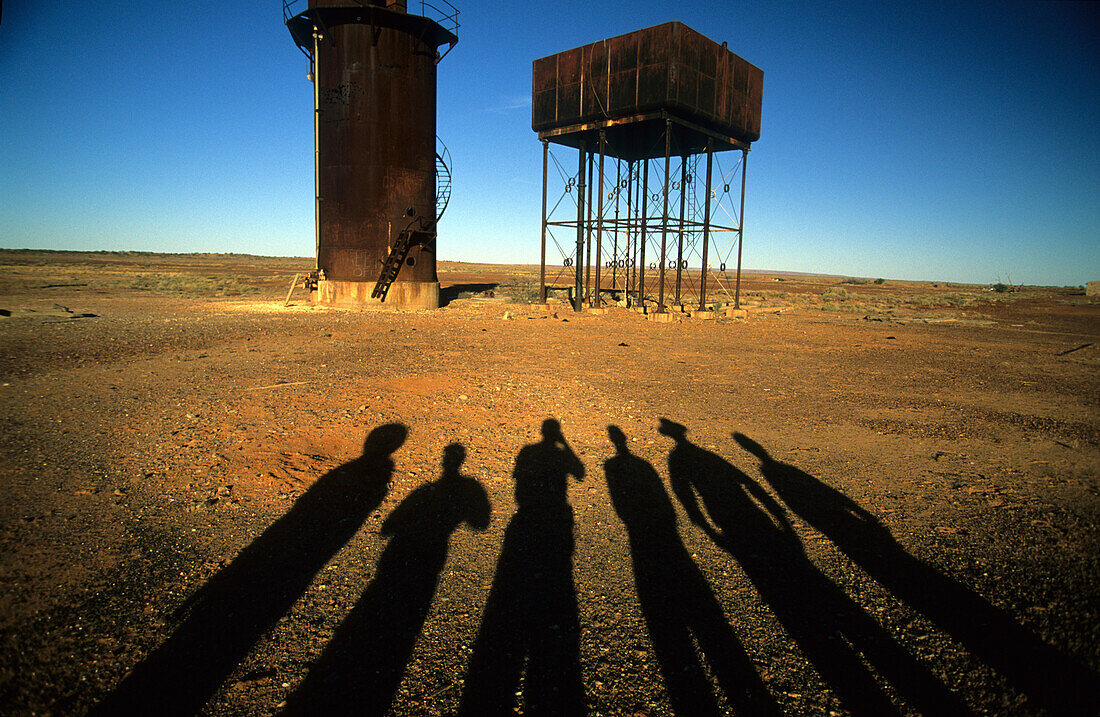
column 360, row 263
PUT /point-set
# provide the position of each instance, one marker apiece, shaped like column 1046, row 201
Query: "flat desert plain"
column 864, row 498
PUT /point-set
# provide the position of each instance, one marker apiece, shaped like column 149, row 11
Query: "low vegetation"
column 194, row 285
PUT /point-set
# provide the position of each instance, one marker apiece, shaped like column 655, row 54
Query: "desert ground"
column 864, row 498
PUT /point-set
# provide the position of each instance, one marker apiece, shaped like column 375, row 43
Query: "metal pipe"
column 599, row 225
column 578, row 285
column 680, row 240
column 706, row 231
column 644, row 233
column 740, row 230
column 542, row 260
column 316, row 152
column 664, row 217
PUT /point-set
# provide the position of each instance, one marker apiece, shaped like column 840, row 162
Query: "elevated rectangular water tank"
column 666, row 67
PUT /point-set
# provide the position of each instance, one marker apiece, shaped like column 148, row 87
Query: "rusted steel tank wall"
column 667, row 66
column 377, row 100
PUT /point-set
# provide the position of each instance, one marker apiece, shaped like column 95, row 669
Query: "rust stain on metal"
column 377, row 144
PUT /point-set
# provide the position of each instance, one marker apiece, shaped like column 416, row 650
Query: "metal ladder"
column 391, row 267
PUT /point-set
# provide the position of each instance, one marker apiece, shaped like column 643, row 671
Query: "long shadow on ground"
column 361, row 668
column 831, row 629
column 447, row 294
column 531, row 612
column 1046, row 676
column 224, row 618
column 676, row 599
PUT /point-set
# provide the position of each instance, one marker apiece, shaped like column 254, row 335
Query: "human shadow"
column 831, row 629
column 531, row 613
column 362, row 666
column 676, row 600
column 1045, row 675
column 221, row 622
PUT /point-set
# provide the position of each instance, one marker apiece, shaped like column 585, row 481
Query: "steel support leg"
column 615, row 237
column 664, row 218
column 631, row 232
column 644, row 233
column 588, row 234
column 597, row 301
column 680, row 235
column 706, row 232
column 578, row 285
column 740, row 230
column 542, row 255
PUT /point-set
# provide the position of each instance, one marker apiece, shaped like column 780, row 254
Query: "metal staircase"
column 442, row 179
column 410, row 237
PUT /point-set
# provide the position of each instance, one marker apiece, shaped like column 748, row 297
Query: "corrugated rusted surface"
column 667, row 67
column 377, row 149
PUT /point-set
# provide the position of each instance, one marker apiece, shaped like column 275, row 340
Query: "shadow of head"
column 384, row 440
column 752, row 447
column 672, row 429
column 453, row 457
column 551, row 431
column 617, row 438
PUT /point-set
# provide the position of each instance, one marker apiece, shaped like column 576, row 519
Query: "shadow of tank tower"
column 381, row 183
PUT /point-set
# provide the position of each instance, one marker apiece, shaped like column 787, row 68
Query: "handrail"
column 446, row 17
column 288, row 9
column 442, row 178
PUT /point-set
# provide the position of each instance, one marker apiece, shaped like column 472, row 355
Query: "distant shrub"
column 1001, row 287
column 880, row 281
column 958, row 301
column 834, row 293
column 523, row 292
column 855, row 281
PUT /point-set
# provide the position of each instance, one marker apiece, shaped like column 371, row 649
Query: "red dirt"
column 181, row 444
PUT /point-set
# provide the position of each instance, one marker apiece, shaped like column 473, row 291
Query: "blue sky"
column 953, row 142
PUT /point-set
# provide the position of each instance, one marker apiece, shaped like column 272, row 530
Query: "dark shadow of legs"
column 1050, row 678
column 361, row 668
column 676, row 599
column 222, row 621
column 831, row 629
column 531, row 613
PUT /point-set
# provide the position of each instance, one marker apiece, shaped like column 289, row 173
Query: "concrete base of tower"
column 403, row 295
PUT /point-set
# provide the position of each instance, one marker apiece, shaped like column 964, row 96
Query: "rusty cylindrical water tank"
column 375, row 75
